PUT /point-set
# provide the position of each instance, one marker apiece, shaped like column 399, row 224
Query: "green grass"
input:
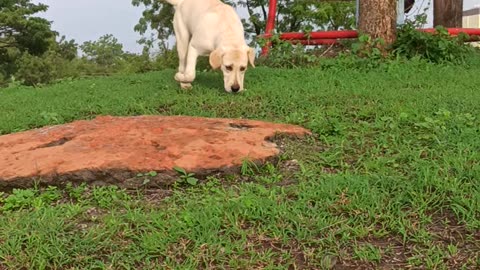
column 390, row 178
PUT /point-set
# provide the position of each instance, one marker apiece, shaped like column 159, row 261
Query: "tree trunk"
column 377, row 18
column 448, row 13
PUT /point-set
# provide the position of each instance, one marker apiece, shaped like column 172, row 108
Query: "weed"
column 19, row 199
column 368, row 47
column 75, row 192
column 146, row 177
column 186, row 178
column 437, row 47
column 248, row 168
column 368, row 253
column 30, row 198
column 108, row 196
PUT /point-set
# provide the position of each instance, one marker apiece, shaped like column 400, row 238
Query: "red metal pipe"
column 272, row 13
column 456, row 31
column 318, row 35
column 354, row 34
column 313, row 41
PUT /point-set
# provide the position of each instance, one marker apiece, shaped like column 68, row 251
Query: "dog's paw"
column 179, row 77
column 184, row 78
column 185, row 86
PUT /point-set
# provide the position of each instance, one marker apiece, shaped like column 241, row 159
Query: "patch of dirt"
column 260, row 244
column 398, row 255
column 155, row 196
column 395, row 254
column 90, row 217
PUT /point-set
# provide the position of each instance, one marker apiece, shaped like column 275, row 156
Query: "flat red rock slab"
column 114, row 149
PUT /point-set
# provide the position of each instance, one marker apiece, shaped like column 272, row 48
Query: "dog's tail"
column 174, row 2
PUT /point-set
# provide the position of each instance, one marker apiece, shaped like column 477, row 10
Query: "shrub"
column 34, row 70
column 168, row 59
column 3, row 80
column 284, row 54
column 135, row 63
column 438, row 47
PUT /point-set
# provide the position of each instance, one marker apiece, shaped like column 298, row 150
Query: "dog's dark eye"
column 242, row 68
column 229, row 68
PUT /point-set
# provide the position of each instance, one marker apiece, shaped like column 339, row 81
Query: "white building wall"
column 471, row 19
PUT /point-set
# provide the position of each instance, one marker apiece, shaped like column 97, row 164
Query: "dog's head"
column 233, row 63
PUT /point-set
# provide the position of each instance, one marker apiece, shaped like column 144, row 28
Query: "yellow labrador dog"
column 210, row 27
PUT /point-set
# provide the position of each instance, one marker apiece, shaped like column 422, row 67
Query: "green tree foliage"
column 60, row 61
column 67, row 49
column 300, row 15
column 34, row 70
column 21, row 32
column 106, row 51
column 291, row 16
column 106, row 56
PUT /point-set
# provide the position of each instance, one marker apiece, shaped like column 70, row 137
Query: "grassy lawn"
column 390, row 179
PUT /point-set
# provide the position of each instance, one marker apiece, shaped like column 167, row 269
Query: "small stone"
column 291, row 165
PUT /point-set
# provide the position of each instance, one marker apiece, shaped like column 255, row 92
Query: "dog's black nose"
column 235, row 88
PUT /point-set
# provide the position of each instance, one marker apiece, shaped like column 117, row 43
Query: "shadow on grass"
column 211, row 80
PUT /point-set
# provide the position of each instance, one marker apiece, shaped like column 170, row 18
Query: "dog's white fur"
column 210, row 27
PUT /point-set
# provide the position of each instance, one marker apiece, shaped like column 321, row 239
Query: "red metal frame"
column 333, row 37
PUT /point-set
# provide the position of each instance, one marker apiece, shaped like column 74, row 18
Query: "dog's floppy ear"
column 251, row 56
column 215, row 59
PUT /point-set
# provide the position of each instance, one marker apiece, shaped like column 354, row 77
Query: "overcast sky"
column 85, row 20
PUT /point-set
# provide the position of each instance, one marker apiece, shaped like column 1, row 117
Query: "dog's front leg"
column 189, row 75
column 183, row 38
